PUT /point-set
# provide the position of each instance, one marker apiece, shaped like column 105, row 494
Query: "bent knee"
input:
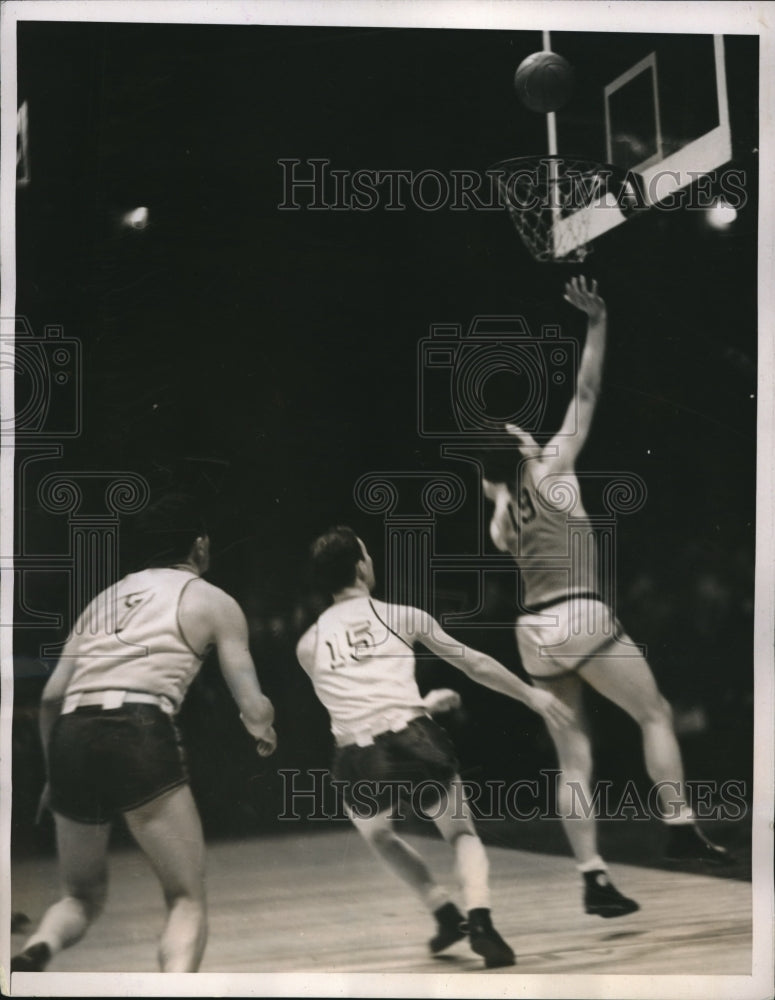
column 189, row 894
column 656, row 710
column 192, row 902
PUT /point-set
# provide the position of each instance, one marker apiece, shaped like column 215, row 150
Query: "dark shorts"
column 375, row 776
column 102, row 763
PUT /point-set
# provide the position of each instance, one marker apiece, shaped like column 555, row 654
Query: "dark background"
column 266, row 359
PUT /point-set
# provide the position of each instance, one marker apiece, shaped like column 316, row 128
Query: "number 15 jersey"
column 362, row 670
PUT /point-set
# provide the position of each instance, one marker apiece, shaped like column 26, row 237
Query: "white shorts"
column 564, row 636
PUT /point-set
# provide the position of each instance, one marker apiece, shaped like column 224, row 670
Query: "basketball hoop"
column 549, row 199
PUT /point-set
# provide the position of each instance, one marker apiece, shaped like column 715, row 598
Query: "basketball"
column 544, row 81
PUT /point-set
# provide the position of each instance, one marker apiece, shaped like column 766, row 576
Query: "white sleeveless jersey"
column 129, row 638
column 555, row 549
column 362, row 671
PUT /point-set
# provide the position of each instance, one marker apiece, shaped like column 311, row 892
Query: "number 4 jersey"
column 362, row 670
column 129, row 638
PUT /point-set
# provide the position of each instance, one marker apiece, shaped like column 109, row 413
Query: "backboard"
column 653, row 107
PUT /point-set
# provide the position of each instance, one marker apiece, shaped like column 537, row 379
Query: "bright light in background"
column 721, row 214
column 137, row 218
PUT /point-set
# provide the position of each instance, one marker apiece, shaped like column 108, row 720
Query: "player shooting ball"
column 568, row 636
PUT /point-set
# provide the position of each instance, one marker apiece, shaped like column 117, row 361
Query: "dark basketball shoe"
column 451, row 927
column 486, row 941
column 603, row 899
column 687, row 842
column 32, row 959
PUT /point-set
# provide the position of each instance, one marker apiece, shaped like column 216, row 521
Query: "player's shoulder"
column 93, row 613
column 558, row 458
column 305, row 647
column 202, row 597
column 385, row 611
column 204, row 589
column 308, row 636
column 405, row 619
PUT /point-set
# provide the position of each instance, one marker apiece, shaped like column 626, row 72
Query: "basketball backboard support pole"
column 551, row 135
column 551, row 117
column 661, row 175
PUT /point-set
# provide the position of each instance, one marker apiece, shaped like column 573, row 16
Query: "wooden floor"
column 319, row 902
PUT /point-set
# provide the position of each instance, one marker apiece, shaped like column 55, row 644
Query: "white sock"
column 473, row 872
column 435, row 897
column 683, row 817
column 594, row 865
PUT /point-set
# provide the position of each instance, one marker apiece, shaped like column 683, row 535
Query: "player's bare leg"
column 452, row 817
column 574, row 753
column 169, row 831
column 629, row 683
column 409, row 866
column 82, row 857
column 399, row 856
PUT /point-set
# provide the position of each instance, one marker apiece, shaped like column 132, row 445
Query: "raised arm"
column 573, row 432
column 230, row 637
column 485, row 670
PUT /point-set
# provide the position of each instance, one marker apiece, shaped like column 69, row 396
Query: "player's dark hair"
column 333, row 558
column 165, row 531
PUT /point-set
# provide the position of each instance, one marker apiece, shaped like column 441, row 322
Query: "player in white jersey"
column 360, row 658
column 567, row 636
column 111, row 744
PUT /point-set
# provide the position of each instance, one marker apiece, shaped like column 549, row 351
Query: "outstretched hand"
column 441, row 700
column 524, row 438
column 585, row 297
column 266, row 747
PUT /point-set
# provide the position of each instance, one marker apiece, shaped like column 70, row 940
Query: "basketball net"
column 543, row 195
column 546, row 198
